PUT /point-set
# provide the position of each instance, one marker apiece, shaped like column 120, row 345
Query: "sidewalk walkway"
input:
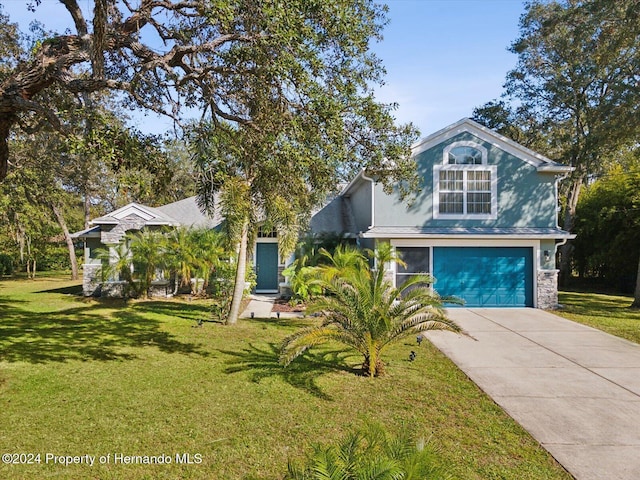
column 261, row 306
column 574, row 388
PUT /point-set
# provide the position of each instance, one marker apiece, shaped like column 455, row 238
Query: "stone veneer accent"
column 160, row 288
column 114, row 236
column 114, row 289
column 548, row 289
column 91, row 280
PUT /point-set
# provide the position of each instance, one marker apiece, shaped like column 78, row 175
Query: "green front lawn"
column 610, row 313
column 86, row 377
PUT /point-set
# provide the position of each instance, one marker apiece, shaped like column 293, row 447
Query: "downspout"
column 373, row 192
column 559, row 178
column 373, row 209
column 558, row 245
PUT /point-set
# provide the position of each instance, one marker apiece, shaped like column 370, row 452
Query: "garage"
column 485, row 276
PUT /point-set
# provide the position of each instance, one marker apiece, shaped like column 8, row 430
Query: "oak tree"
column 577, row 84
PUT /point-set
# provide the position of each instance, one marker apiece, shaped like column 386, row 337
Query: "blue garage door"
column 485, row 276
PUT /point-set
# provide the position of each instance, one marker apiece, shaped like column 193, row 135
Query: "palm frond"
column 296, row 344
column 364, row 311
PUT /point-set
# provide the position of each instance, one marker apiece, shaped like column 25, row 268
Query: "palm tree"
column 116, row 263
column 208, row 247
column 371, row 452
column 364, row 311
column 310, row 252
column 181, row 256
column 147, row 249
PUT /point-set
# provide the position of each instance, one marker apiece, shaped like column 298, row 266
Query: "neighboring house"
column 108, row 232
column 483, row 223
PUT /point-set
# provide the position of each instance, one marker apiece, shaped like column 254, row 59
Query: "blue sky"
column 443, row 57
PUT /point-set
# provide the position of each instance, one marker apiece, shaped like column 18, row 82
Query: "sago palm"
column 363, row 310
column 371, row 453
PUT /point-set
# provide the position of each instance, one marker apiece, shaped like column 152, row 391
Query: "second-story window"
column 465, row 187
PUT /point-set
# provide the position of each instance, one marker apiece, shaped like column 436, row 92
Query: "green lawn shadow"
column 186, row 311
column 80, row 333
column 303, row 372
column 70, row 290
column 596, row 304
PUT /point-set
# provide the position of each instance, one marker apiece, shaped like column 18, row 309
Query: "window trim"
column 467, row 143
column 493, row 169
column 412, row 274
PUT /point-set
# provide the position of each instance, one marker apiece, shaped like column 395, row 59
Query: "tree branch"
column 76, row 13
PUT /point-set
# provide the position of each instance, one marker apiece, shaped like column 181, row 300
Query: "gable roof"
column 150, row 215
column 184, row 212
column 542, row 163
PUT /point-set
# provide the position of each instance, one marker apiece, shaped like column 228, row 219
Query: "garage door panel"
column 485, row 276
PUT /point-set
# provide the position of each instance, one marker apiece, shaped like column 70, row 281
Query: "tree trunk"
column 238, row 288
column 87, row 209
column 636, row 295
column 68, row 240
column 28, row 243
column 566, row 250
column 6, row 122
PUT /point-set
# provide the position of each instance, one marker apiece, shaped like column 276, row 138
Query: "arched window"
column 465, row 156
column 464, row 153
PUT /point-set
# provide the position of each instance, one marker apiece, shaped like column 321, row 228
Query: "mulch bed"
column 282, row 305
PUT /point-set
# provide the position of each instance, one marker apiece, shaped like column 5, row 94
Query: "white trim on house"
column 463, row 242
column 493, row 169
column 149, row 215
column 373, row 199
column 489, row 136
column 467, row 242
column 555, row 169
column 476, row 145
column 466, row 233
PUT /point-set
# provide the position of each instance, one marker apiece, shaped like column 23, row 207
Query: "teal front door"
column 267, row 267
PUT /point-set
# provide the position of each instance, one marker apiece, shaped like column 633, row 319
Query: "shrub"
column 371, row 452
column 362, row 310
column 6, row 264
column 308, row 255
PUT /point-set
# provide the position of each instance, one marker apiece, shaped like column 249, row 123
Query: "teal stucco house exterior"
column 483, row 223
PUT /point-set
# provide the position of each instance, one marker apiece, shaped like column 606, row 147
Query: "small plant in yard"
column 371, row 453
column 362, row 310
column 221, row 290
column 301, row 273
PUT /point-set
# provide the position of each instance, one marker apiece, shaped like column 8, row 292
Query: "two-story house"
column 484, row 222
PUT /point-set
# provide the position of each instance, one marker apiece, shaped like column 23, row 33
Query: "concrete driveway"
column 574, row 388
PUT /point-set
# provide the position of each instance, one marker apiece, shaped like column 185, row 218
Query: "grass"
column 607, row 312
column 87, row 377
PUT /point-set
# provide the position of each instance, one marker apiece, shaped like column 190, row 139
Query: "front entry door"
column 267, row 267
